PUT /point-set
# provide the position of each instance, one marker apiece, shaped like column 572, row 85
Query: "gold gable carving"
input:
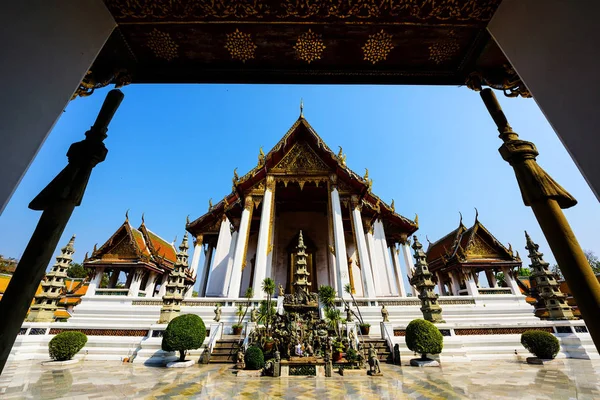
column 301, row 158
column 124, row 249
column 478, row 247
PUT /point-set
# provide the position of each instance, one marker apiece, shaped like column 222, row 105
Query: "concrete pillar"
column 470, row 283
column 410, row 266
column 47, row 48
column 547, row 42
column 376, row 263
column 136, row 280
column 95, row 282
column 491, row 278
column 149, row 288
column 398, row 271
column 455, row 282
column 363, row 251
column 163, row 285
column 217, row 284
column 239, row 259
column 510, row 281
column 262, row 246
column 195, row 263
column 440, row 283
column 202, row 275
column 114, row 279
column 380, row 240
column 339, row 243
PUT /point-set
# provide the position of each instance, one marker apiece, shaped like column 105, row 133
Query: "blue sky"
column 172, row 147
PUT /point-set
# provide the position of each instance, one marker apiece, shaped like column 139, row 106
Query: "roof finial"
column 460, row 222
column 428, row 241
column 127, row 215
column 393, row 206
column 476, row 214
column 174, row 240
column 210, row 205
column 417, row 220
column 301, row 108
column 187, row 220
column 143, row 221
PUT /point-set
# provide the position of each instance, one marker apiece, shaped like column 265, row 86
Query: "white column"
column 239, row 259
column 455, row 282
column 136, row 280
column 163, row 285
column 262, row 246
column 149, row 288
column 376, row 263
column 398, row 271
column 408, row 262
column 94, row 283
column 47, row 48
column 470, row 283
column 363, row 252
column 340, row 243
column 440, row 284
column 491, row 278
column 387, row 264
column 203, row 273
column 194, row 265
column 235, row 237
column 510, row 281
column 217, row 284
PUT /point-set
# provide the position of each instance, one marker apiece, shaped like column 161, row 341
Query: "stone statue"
column 373, row 361
column 277, row 356
column 240, row 362
column 217, row 313
column 281, row 290
column 352, row 339
column 309, row 350
column 349, row 317
column 384, row 313
column 254, row 315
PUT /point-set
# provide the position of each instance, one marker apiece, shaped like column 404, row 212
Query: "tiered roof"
column 473, row 247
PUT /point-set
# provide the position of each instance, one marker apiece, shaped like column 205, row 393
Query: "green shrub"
column 351, row 355
column 541, row 344
column 65, row 345
column 186, row 332
column 424, row 338
column 254, row 358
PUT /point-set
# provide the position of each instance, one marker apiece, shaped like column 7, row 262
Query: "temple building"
column 144, row 258
column 301, row 185
column 458, row 258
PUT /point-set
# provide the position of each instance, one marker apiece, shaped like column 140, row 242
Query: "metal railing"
column 214, row 336
column 388, row 338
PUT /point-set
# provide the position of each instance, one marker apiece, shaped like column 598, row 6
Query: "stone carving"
column 254, row 315
column 281, row 290
column 217, row 313
column 349, row 317
column 374, row 368
column 385, row 313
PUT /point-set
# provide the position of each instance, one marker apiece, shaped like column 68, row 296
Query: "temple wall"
column 313, row 226
column 250, row 261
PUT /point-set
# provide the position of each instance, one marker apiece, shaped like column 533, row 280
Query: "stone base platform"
column 303, row 366
column 417, row 362
column 181, row 364
column 53, row 363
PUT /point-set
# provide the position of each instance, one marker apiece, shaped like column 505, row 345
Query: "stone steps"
column 225, row 351
column 383, row 351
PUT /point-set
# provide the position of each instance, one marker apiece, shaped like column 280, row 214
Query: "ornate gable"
column 124, row 248
column 302, row 159
column 479, row 248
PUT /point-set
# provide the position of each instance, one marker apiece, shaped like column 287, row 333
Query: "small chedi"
column 46, row 302
column 422, row 280
column 546, row 285
column 176, row 287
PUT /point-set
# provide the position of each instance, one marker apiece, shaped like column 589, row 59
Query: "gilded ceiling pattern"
column 162, row 45
column 443, row 51
column 240, row 45
column 377, row 47
column 309, row 46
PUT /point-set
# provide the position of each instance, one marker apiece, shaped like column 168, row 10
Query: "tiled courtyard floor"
column 562, row 379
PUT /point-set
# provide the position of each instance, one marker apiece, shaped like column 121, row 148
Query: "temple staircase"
column 384, row 353
column 225, row 351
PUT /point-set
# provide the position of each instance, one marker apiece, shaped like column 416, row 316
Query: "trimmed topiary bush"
column 541, row 344
column 424, row 338
column 254, row 358
column 186, row 332
column 65, row 345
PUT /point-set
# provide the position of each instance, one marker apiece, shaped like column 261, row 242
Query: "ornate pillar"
column 239, row 258
column 385, row 258
column 136, row 280
column 455, row 282
column 376, row 262
column 440, row 283
column 95, row 282
column 398, row 271
column 511, row 281
column 217, row 283
column 264, row 237
column 491, row 278
column 361, row 248
column 114, row 278
column 203, row 273
column 472, row 289
column 195, row 263
column 339, row 241
column 149, row 288
column 408, row 262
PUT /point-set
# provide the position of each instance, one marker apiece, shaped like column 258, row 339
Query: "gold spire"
column 393, row 206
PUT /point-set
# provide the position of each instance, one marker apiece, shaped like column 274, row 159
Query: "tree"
column 556, row 271
column 500, row 279
column 77, row 270
column 524, row 271
column 8, row 265
column 268, row 286
column 424, row 338
column 186, row 332
column 593, row 260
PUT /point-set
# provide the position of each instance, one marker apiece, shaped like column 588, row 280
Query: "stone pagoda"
column 546, row 285
column 422, row 280
column 46, row 303
column 176, row 287
column 301, row 283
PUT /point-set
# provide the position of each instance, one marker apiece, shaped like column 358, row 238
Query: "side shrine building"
column 352, row 236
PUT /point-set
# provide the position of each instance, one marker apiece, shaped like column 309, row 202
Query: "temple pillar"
column 511, row 281
column 95, row 282
column 195, row 263
column 385, row 257
column 217, row 283
column 408, row 262
column 136, row 280
column 149, row 288
column 163, row 285
column 264, row 237
column 472, row 289
column 239, row 258
column 341, row 258
column 398, row 270
column 363, row 252
column 203, row 273
column 491, row 278
column 440, row 283
column 376, row 263
column 114, row 278
column 455, row 282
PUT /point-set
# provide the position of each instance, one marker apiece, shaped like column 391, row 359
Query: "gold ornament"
column 309, row 46
column 162, row 45
column 443, row 51
column 377, row 47
column 240, row 45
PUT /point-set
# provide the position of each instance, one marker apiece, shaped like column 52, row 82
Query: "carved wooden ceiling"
column 300, row 41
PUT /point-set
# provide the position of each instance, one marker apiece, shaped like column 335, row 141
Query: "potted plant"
column 186, row 332
column 543, row 345
column 266, row 312
column 363, row 326
column 241, row 312
column 338, row 350
column 424, row 338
